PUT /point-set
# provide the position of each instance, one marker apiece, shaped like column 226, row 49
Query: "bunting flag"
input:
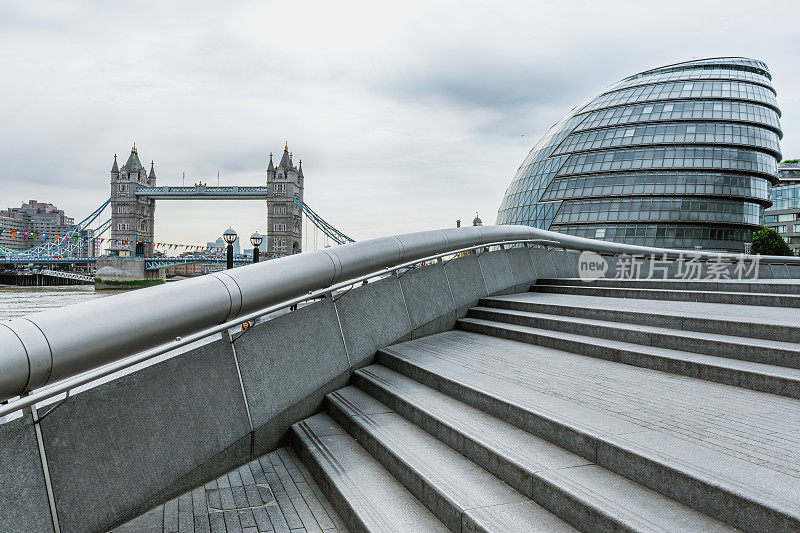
column 13, row 234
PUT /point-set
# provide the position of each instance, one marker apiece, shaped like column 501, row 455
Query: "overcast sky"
column 407, row 115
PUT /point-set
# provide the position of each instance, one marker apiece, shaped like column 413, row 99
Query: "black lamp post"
column 255, row 240
column 229, row 236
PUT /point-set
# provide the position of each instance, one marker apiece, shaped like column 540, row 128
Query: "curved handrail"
column 67, row 385
column 57, row 344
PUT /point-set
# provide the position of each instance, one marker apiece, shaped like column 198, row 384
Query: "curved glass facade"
column 679, row 156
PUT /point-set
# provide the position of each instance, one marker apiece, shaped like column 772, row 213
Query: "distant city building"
column 34, row 223
column 784, row 215
column 676, row 157
column 132, row 227
column 284, row 218
column 189, row 269
column 219, row 246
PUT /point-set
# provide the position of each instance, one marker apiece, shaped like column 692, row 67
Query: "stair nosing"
column 653, row 351
column 691, row 334
column 675, row 291
column 570, row 309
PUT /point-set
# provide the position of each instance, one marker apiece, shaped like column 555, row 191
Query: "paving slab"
column 245, row 500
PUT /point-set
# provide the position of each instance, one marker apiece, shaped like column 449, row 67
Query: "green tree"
column 767, row 241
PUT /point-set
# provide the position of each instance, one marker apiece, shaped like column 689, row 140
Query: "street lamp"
column 255, row 240
column 229, row 236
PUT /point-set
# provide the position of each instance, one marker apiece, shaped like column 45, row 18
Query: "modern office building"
column 784, row 215
column 677, row 157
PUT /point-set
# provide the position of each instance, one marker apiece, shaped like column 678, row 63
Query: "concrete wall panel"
column 521, row 268
column 765, row 271
column 114, row 446
column 288, row 359
column 236, row 454
column 373, row 316
column 611, row 261
column 496, row 271
column 780, row 271
column 427, row 294
column 560, row 263
column 273, row 434
column 542, row 263
column 573, row 257
column 794, row 271
column 23, row 497
column 466, row 282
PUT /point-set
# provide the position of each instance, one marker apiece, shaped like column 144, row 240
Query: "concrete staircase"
column 612, row 406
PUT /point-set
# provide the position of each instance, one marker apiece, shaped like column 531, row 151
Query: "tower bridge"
column 134, row 193
column 131, row 224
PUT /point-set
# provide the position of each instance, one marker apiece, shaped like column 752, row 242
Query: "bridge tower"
column 132, row 218
column 284, row 218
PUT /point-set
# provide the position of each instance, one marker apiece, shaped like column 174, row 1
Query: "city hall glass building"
column 675, row 157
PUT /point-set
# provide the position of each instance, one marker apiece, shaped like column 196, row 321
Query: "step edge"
column 792, row 347
column 634, row 351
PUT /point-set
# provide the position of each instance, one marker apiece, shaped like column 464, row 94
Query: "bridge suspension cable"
column 71, row 244
column 332, row 233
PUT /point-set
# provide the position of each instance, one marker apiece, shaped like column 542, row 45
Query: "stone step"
column 755, row 376
column 464, row 496
column 790, row 287
column 768, row 352
column 364, row 494
column 505, row 379
column 587, row 496
column 679, row 295
column 769, row 323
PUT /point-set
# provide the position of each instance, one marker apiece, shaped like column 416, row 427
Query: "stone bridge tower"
column 132, row 218
column 284, row 218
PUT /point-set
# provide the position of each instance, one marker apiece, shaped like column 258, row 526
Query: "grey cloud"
column 406, row 117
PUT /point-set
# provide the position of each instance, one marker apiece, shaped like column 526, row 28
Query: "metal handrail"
column 100, row 336
column 67, row 385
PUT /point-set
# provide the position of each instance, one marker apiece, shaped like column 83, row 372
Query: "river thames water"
column 18, row 301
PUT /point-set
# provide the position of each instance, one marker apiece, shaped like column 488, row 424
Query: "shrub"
column 767, row 241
